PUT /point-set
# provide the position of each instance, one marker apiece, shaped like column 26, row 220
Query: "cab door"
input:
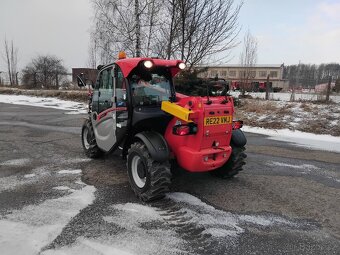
column 120, row 96
column 104, row 120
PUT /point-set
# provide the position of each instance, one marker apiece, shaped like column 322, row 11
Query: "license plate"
column 219, row 120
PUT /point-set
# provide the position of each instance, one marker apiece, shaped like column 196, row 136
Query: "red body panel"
column 128, row 64
column 209, row 148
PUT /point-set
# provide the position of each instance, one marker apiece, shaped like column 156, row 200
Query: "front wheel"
column 89, row 141
column 234, row 164
column 149, row 179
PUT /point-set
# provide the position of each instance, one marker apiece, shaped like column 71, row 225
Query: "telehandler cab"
column 133, row 107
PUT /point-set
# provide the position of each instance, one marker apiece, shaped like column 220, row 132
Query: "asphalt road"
column 53, row 199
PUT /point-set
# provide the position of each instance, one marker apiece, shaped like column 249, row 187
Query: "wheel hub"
column 141, row 170
column 138, row 171
column 86, row 138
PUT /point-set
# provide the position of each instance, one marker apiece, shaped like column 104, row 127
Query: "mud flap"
column 238, row 138
column 156, row 145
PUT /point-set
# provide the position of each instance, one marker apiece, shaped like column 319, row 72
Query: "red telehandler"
column 133, row 107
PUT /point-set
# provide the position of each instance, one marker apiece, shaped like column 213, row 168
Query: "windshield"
column 150, row 89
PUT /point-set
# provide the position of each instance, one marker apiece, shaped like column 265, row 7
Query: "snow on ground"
column 62, row 188
column 209, row 217
column 285, row 96
column 303, row 166
column 28, row 230
column 305, row 169
column 307, row 140
column 29, row 175
column 164, row 231
column 15, row 162
column 48, row 102
column 76, row 171
column 302, row 116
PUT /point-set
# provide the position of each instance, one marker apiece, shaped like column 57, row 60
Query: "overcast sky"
column 287, row 31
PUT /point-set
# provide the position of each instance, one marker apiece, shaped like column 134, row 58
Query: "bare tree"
column 117, row 26
column 192, row 30
column 44, row 72
column 248, row 59
column 93, row 54
column 205, row 28
column 11, row 57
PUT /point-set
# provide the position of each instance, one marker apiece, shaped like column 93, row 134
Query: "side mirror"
column 80, row 80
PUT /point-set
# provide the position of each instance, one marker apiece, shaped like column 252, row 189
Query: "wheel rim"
column 138, row 171
column 85, row 138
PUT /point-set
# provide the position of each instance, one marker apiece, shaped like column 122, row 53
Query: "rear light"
column 237, row 124
column 187, row 129
column 182, row 130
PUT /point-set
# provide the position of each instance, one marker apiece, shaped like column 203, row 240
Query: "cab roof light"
column 148, row 64
column 181, row 66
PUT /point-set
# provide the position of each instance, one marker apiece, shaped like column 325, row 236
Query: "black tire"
column 234, row 164
column 88, row 140
column 149, row 179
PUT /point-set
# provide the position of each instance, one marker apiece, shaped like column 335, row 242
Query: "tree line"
column 309, row 75
column 44, row 71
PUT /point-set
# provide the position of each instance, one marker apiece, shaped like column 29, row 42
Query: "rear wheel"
column 149, row 179
column 234, row 165
column 89, row 141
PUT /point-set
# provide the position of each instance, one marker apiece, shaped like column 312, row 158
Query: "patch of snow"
column 29, row 175
column 303, row 166
column 219, row 232
column 62, row 188
column 285, row 96
column 334, row 123
column 11, row 182
column 215, row 220
column 70, row 106
column 189, row 199
column 145, row 229
column 15, row 162
column 88, row 247
column 302, row 139
column 75, row 160
column 76, row 171
column 28, row 230
column 79, row 182
column 265, row 221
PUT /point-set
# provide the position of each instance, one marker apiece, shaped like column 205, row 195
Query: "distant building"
column 89, row 73
column 259, row 74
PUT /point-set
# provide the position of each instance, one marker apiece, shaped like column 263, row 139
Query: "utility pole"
column 267, row 88
column 328, row 88
column 292, row 97
column 137, row 17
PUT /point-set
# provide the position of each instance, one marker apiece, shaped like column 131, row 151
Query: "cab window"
column 120, row 88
